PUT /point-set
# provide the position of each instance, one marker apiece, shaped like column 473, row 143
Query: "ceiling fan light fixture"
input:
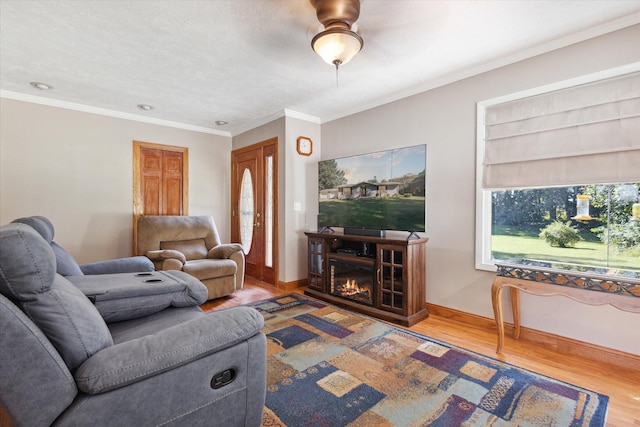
column 337, row 46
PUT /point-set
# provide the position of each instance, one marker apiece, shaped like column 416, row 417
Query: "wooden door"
column 254, row 207
column 160, row 175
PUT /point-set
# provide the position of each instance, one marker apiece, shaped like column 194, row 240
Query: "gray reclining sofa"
column 126, row 349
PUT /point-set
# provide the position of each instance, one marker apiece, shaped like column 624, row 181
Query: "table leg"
column 496, row 301
column 515, row 307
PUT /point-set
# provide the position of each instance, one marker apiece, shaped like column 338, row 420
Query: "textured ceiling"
column 249, row 61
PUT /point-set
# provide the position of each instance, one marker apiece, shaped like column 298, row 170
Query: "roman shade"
column 586, row 134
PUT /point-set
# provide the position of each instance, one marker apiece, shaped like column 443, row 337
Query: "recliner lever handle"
column 223, row 378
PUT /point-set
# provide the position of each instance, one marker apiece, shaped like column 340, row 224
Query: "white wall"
column 445, row 120
column 76, row 169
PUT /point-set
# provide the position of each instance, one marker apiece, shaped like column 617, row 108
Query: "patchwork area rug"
column 330, row 367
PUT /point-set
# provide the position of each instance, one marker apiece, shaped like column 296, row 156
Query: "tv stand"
column 391, row 274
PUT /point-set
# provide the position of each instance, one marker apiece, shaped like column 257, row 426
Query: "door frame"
column 235, row 188
column 138, row 198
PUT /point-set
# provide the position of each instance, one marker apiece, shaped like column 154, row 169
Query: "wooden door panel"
column 172, row 164
column 151, row 160
column 172, row 182
column 172, row 197
column 151, row 195
column 151, row 172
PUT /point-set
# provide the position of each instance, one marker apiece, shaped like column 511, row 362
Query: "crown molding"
column 302, row 116
column 633, row 67
column 568, row 40
column 106, row 112
column 257, row 123
column 277, row 115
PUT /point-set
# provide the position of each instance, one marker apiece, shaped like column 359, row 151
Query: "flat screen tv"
column 376, row 191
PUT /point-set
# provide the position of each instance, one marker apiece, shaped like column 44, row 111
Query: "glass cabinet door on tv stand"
column 316, row 264
column 391, row 262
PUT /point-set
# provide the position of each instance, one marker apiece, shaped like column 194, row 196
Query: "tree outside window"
column 523, row 220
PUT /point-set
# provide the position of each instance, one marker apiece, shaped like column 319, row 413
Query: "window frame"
column 483, row 253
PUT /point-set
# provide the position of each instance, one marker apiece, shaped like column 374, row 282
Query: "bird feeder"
column 582, row 208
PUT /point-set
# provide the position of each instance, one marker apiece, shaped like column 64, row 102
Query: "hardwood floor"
column 620, row 384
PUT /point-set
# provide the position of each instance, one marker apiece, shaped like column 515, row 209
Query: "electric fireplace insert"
column 351, row 278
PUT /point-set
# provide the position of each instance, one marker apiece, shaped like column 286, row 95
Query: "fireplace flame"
column 350, row 288
column 351, row 285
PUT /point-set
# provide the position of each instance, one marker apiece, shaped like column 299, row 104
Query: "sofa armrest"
column 132, row 361
column 170, row 264
column 122, row 265
column 223, row 251
column 163, row 254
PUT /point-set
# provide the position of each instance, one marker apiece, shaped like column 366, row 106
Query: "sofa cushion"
column 61, row 311
column 210, row 268
column 192, row 249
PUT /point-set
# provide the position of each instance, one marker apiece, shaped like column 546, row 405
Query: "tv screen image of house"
column 382, row 191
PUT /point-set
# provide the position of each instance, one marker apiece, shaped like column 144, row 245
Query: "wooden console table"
column 540, row 278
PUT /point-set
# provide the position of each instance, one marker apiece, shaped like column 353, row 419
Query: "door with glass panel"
column 254, row 207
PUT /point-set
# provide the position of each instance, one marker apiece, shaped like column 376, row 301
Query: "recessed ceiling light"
column 145, row 107
column 221, row 122
column 41, row 86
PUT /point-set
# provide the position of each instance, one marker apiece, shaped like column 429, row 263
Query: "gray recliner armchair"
column 159, row 361
column 66, row 264
column 192, row 244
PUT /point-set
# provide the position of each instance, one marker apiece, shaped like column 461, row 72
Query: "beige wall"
column 445, row 120
column 301, row 191
column 76, row 169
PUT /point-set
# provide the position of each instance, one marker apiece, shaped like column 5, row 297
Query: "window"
column 588, row 225
column 547, row 154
